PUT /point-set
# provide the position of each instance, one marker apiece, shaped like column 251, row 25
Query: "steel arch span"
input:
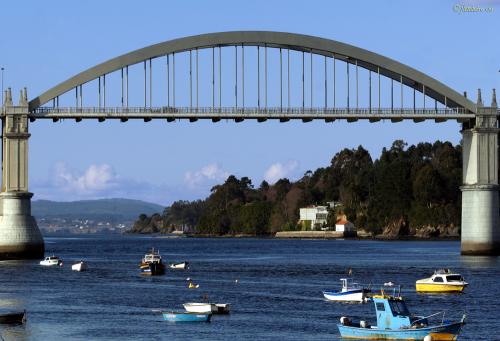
column 304, row 43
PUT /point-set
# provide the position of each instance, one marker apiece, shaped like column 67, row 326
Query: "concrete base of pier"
column 480, row 220
column 20, row 236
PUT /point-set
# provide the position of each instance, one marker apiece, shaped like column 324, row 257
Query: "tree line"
column 406, row 188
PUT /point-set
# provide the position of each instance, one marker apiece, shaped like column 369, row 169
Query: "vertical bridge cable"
column 311, row 76
column 423, row 92
column 392, row 95
column 150, row 84
column 326, row 89
column 414, row 98
column 334, row 85
column 370, row 91
column 258, row 77
column 197, row 103
column 220, row 81
column 357, row 97
column 213, row 78
column 243, row 76
column 236, row 77
column 173, row 79
column 99, row 93
column 347, row 65
column 126, row 83
column 281, row 81
column 168, row 82
column 81, row 96
column 265, row 75
column 379, row 105
column 104, row 93
column 303, row 89
column 121, row 87
column 401, row 80
column 76, row 96
column 145, row 95
column 288, row 80
column 190, row 81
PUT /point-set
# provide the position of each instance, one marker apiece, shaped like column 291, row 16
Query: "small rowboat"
column 13, row 318
column 214, row 308
column 184, row 316
column 80, row 266
column 183, row 265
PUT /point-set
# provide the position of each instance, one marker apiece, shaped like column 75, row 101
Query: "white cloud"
column 207, row 175
column 280, row 170
column 97, row 178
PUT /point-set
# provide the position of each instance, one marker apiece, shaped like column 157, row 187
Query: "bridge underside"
column 239, row 114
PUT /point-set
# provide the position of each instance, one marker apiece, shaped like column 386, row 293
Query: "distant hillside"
column 102, row 209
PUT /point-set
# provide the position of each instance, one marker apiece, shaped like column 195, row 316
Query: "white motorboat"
column 80, row 266
column 51, row 261
column 183, row 265
column 350, row 292
column 214, row 308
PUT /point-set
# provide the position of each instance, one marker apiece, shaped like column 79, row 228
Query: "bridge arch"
column 304, row 43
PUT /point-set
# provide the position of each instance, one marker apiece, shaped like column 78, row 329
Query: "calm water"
column 277, row 296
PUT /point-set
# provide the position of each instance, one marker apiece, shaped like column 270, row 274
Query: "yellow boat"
column 442, row 281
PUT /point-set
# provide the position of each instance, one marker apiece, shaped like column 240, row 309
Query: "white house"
column 344, row 225
column 317, row 215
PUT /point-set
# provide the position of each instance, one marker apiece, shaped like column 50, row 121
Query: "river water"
column 274, row 287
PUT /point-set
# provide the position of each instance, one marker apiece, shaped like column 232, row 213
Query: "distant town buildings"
column 313, row 217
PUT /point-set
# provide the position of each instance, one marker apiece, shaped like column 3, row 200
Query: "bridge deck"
column 373, row 114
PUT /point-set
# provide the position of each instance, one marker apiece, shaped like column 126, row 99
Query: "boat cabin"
column 52, row 258
column 348, row 284
column 152, row 258
column 446, row 277
column 392, row 312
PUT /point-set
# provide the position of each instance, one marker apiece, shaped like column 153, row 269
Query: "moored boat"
column 442, row 281
column 51, row 261
column 350, row 292
column 183, row 265
column 152, row 264
column 13, row 317
column 394, row 322
column 184, row 316
column 80, row 266
column 214, row 308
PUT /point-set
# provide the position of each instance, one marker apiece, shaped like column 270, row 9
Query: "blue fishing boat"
column 185, row 316
column 394, row 322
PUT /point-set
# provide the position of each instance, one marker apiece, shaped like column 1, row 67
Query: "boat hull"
column 198, row 307
column 349, row 296
column 79, row 266
column 152, row 269
column 214, row 308
column 186, row 317
column 444, row 288
column 442, row 332
column 13, row 318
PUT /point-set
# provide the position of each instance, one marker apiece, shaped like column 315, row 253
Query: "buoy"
column 428, row 338
column 188, row 279
column 235, row 281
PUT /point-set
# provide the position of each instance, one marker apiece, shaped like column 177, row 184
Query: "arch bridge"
column 253, row 75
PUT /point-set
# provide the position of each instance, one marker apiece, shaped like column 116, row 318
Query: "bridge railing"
column 297, row 112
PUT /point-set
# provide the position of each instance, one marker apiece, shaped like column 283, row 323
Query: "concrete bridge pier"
column 20, row 237
column 480, row 198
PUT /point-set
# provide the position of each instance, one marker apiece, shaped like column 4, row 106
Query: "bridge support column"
column 480, row 198
column 20, row 237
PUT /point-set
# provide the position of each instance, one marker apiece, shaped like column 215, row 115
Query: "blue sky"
column 44, row 43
